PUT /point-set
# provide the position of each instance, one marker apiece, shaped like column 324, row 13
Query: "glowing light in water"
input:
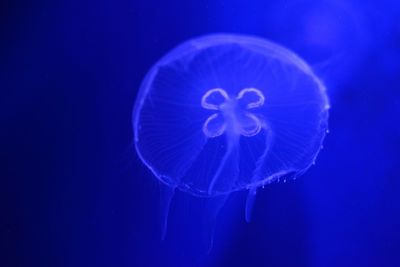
column 223, row 113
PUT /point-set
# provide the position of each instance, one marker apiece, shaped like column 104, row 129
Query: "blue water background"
column 74, row 193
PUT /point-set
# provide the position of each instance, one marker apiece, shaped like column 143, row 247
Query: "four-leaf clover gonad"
column 234, row 113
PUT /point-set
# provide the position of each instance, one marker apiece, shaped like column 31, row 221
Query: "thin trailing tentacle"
column 166, row 195
column 251, row 196
column 213, row 207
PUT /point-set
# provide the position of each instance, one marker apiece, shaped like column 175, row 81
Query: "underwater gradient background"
column 74, row 193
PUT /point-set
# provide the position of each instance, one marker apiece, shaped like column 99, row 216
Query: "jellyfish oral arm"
column 232, row 119
column 232, row 149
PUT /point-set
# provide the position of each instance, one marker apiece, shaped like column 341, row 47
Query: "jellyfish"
column 226, row 112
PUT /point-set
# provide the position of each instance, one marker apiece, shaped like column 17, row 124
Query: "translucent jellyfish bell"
column 223, row 113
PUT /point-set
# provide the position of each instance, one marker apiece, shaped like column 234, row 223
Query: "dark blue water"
column 74, row 193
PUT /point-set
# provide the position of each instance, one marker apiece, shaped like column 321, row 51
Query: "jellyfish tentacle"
column 219, row 170
column 166, row 195
column 213, row 207
column 251, row 196
column 256, row 173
